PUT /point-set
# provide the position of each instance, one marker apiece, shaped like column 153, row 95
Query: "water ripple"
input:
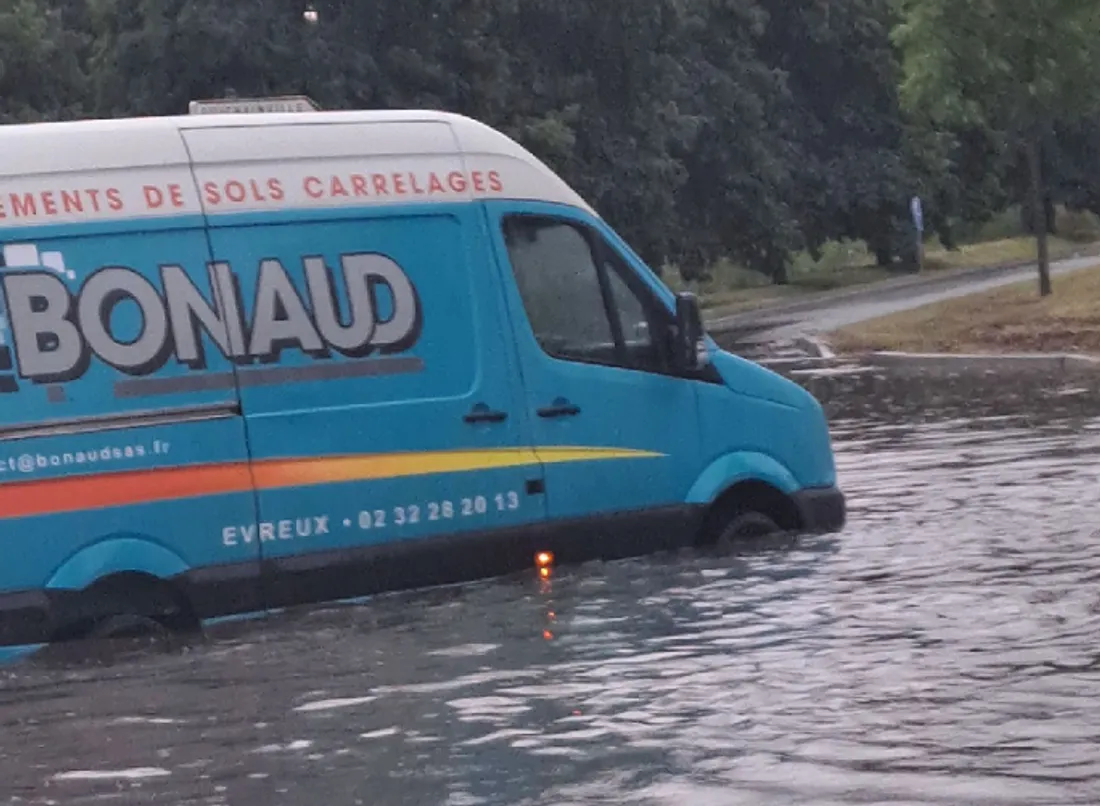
column 942, row 650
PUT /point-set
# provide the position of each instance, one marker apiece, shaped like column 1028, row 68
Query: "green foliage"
column 1078, row 226
column 1016, row 68
column 852, row 178
column 1005, row 65
column 42, row 72
column 713, row 134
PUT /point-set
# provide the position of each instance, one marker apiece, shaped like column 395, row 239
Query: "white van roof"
column 89, row 170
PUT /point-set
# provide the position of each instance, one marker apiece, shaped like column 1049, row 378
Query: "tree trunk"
column 942, row 226
column 777, row 268
column 1038, row 212
column 884, row 256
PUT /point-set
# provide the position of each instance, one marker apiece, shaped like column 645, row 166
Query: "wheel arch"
column 118, row 554
column 731, row 469
column 746, row 481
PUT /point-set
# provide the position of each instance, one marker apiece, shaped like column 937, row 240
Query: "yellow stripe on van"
column 560, row 454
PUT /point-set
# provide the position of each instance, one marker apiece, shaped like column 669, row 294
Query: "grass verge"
column 994, row 253
column 731, row 289
column 1012, row 319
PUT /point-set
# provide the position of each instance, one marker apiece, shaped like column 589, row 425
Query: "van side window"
column 577, row 295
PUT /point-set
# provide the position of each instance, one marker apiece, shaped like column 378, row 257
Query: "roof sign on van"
column 222, row 106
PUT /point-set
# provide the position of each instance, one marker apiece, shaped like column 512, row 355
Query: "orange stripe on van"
column 101, row 490
column 75, row 493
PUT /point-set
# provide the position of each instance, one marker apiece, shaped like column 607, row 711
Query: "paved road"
column 755, row 330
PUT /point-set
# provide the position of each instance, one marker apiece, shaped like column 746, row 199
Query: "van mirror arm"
column 689, row 346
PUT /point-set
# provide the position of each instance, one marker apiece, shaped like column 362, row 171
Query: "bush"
column 1079, row 226
column 1000, row 227
column 723, row 275
column 836, row 256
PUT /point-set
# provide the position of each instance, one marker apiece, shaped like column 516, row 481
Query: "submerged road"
column 941, row 651
column 778, row 329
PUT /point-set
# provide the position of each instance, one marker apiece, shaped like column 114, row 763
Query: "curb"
column 814, row 347
column 985, row 362
column 731, row 321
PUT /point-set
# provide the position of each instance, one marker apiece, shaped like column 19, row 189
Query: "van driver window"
column 576, row 311
column 639, row 348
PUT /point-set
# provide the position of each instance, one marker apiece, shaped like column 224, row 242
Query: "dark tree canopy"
column 702, row 129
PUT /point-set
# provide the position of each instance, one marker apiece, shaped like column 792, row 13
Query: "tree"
column 41, row 70
column 737, row 197
column 594, row 95
column 1075, row 165
column 851, row 171
column 152, row 57
column 1015, row 67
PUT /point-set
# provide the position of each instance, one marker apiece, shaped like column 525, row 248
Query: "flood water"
column 944, row 649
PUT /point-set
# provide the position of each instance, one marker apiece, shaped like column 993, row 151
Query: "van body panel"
column 384, row 406
column 172, row 484
column 116, row 555
column 107, row 149
column 758, row 411
column 85, row 375
column 362, row 141
column 749, row 380
column 111, row 424
column 22, row 233
column 732, row 468
column 350, row 166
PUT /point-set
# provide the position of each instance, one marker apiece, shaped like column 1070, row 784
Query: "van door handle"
column 560, row 408
column 483, row 414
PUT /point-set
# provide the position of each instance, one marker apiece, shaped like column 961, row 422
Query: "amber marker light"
column 543, row 561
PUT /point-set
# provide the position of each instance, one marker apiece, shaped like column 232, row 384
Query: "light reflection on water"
column 942, row 650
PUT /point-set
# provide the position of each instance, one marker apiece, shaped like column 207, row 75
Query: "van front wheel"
column 744, row 526
column 749, row 512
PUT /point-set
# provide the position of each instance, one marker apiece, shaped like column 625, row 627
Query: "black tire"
column 129, row 626
column 739, row 530
column 743, row 527
column 109, row 640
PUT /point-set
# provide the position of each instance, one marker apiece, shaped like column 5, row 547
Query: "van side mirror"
column 689, row 347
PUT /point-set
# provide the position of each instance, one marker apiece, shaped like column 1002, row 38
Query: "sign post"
column 917, row 211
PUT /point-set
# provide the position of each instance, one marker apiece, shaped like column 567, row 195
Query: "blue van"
column 250, row 361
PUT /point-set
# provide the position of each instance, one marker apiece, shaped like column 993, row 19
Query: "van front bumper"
column 821, row 509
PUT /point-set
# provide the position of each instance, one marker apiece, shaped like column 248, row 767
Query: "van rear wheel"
column 112, row 639
column 127, row 636
column 129, row 626
column 121, row 614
